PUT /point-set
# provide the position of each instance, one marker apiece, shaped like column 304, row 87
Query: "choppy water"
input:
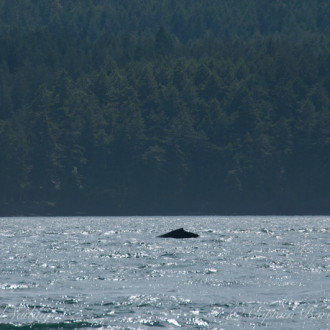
column 113, row 272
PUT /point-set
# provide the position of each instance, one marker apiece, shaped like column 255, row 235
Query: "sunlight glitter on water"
column 242, row 272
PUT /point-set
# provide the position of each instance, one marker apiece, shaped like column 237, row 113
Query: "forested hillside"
column 139, row 107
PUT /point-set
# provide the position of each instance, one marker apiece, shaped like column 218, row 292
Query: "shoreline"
column 50, row 209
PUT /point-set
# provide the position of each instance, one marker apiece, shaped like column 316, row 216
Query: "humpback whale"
column 179, row 233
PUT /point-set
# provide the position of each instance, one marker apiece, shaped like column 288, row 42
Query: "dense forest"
column 163, row 107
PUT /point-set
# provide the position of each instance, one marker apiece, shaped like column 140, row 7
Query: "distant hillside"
column 139, row 107
column 186, row 19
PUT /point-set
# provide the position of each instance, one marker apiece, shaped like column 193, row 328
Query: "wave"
column 40, row 326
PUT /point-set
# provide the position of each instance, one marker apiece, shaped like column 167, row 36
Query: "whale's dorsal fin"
column 179, row 233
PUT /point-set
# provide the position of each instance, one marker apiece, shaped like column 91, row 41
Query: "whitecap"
column 200, row 322
column 7, row 286
column 108, row 233
column 174, row 322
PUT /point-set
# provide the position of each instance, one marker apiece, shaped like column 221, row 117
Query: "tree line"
column 117, row 107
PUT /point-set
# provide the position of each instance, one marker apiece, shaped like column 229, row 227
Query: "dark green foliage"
column 165, row 106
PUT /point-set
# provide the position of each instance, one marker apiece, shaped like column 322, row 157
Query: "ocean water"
column 113, row 272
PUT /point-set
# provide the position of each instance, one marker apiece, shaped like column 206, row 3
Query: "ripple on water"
column 115, row 272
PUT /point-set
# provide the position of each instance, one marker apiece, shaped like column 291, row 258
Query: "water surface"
column 113, row 272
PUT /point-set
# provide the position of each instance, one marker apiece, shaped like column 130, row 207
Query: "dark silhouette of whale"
column 179, row 233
